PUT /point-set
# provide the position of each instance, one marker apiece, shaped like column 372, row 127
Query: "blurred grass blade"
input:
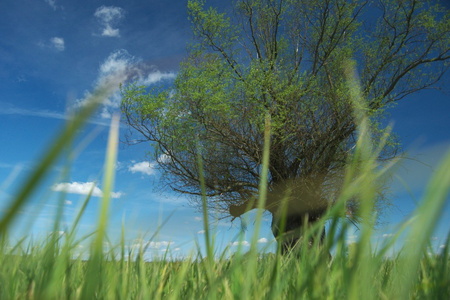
column 108, row 180
column 261, row 204
column 208, row 243
column 51, row 155
column 426, row 219
column 95, row 267
column 82, row 209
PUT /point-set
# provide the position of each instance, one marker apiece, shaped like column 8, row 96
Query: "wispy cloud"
column 12, row 110
column 109, row 16
column 52, row 3
column 82, row 188
column 201, row 231
column 8, row 109
column 126, row 67
column 144, row 167
column 120, row 68
column 57, row 43
column 262, row 241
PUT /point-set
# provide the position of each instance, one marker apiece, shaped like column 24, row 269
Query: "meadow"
column 51, row 268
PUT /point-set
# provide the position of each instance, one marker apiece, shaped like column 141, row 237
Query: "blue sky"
column 54, row 53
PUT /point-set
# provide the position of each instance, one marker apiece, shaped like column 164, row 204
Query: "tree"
column 283, row 58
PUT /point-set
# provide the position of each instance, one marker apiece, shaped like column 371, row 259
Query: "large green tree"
column 284, row 58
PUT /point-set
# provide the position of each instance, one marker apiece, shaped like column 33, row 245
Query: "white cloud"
column 155, row 77
column 242, row 243
column 57, row 43
column 118, row 63
column 158, row 245
column 198, row 218
column 441, row 246
column 109, row 16
column 52, row 3
column 386, row 235
column 67, row 202
column 120, row 68
column 82, row 188
column 143, row 167
column 262, row 241
column 109, row 31
column 124, row 67
column 201, row 232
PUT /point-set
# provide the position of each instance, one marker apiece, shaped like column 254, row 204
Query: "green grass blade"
column 50, row 156
column 425, row 221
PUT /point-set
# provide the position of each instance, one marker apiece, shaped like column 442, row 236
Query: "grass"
column 52, row 269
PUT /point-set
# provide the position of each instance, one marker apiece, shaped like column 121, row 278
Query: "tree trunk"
column 291, row 236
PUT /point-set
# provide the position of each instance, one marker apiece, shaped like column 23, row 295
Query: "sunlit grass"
column 56, row 268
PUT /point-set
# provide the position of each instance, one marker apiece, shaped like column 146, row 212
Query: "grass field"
column 52, row 268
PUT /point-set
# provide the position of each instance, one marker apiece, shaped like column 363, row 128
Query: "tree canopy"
column 284, row 58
